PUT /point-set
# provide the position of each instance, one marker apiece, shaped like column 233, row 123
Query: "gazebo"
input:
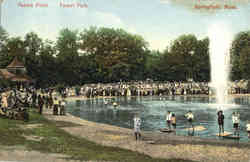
column 15, row 72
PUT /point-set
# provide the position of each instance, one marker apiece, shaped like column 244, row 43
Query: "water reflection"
column 153, row 109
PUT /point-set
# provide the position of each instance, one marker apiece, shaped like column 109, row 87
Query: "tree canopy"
column 239, row 55
column 118, row 54
column 109, row 55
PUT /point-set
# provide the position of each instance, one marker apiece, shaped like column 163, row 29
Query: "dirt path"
column 165, row 146
column 20, row 154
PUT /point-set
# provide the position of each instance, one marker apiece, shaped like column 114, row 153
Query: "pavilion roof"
column 15, row 64
column 6, row 74
column 21, row 78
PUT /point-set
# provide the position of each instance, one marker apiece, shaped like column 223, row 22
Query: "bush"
column 5, row 83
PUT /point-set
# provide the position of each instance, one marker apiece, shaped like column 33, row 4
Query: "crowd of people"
column 31, row 98
column 149, row 88
column 235, row 122
column 136, row 89
column 46, row 98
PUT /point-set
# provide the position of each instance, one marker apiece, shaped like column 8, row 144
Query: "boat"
column 115, row 104
column 166, row 130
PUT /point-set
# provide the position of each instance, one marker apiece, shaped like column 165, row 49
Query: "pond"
column 153, row 109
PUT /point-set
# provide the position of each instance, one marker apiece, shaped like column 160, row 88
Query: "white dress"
column 168, row 116
column 248, row 127
column 137, row 124
column 4, row 101
column 236, row 119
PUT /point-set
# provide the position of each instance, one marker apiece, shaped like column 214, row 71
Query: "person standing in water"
column 221, row 122
column 236, row 123
column 173, row 121
column 190, row 118
column 248, row 128
column 168, row 119
column 137, row 125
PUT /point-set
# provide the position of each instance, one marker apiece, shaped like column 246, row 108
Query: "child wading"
column 221, row 122
column 168, row 119
column 137, row 125
column 190, row 118
column 236, row 123
column 173, row 121
column 248, row 128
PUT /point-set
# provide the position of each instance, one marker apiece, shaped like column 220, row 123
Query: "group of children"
column 171, row 120
column 236, row 123
column 59, row 106
column 171, row 123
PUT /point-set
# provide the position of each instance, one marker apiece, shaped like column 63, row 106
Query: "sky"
column 159, row 21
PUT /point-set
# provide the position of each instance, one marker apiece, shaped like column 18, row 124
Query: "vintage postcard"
column 124, row 80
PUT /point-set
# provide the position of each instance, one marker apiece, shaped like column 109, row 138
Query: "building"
column 15, row 72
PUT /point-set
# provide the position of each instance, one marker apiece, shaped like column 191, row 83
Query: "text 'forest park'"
column 44, row 5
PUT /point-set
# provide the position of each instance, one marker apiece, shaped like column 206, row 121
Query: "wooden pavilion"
column 15, row 72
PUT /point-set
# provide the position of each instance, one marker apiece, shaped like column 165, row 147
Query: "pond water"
column 153, row 109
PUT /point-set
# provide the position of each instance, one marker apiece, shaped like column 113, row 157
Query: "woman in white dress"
column 137, row 125
column 248, row 128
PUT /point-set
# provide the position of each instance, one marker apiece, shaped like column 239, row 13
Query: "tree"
column 32, row 45
column 182, row 51
column 201, row 61
column 3, row 37
column 14, row 48
column 241, row 41
column 67, row 56
column 244, row 60
column 3, row 47
column 152, row 65
column 48, row 75
column 118, row 54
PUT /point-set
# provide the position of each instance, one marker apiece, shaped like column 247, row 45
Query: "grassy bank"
column 46, row 136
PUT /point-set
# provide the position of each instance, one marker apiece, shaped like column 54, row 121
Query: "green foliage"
column 244, row 60
column 59, row 87
column 239, row 52
column 67, row 56
column 5, row 83
column 186, row 58
column 47, row 65
column 108, row 55
column 118, row 54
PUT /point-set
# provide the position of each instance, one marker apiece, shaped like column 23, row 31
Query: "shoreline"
column 74, row 98
column 155, row 144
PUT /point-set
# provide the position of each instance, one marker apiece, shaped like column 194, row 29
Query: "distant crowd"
column 150, row 88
